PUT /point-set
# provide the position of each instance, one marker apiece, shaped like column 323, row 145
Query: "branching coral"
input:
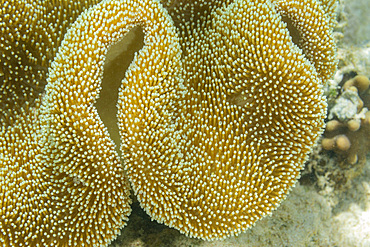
column 347, row 131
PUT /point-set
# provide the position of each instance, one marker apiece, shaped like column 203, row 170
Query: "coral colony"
column 216, row 113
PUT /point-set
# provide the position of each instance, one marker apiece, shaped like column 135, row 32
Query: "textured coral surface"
column 226, row 89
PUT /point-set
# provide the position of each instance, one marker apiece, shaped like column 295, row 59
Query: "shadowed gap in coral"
column 118, row 59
